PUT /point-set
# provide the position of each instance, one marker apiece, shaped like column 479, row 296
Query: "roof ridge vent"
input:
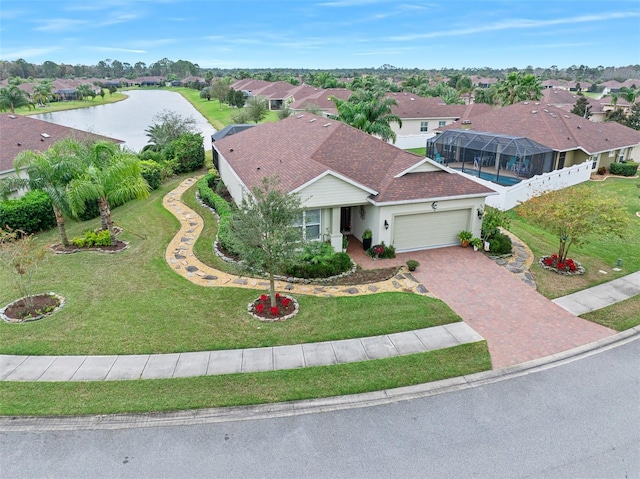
column 45, row 135
column 300, row 116
column 312, row 120
column 326, row 125
column 534, row 111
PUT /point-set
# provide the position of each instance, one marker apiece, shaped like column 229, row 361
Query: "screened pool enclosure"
column 490, row 155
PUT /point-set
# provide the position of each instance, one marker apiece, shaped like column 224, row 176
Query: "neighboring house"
column 566, row 100
column 570, row 139
column 421, row 117
column 21, row 133
column 320, row 98
column 276, row 93
column 350, row 181
column 482, row 82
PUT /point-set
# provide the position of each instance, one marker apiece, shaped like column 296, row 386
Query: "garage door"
column 429, row 230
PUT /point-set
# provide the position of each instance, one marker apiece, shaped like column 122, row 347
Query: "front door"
column 345, row 219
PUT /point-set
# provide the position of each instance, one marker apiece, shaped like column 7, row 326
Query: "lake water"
column 127, row 120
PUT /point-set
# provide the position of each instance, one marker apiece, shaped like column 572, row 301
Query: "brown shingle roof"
column 300, row 148
column 554, row 127
column 21, row 133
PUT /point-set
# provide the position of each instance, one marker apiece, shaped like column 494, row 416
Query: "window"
column 310, row 224
column 442, row 123
column 424, row 126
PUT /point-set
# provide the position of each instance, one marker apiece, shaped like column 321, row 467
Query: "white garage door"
column 429, row 230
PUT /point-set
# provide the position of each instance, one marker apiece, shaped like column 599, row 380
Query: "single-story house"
column 421, row 117
column 349, row 181
column 20, row 133
column 570, row 139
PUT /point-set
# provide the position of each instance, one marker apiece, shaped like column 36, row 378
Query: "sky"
column 324, row 34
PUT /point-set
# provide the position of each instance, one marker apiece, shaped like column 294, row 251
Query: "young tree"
column 21, row 255
column 220, row 91
column 257, row 108
column 263, row 229
column 284, row 112
column 582, row 107
column 574, row 214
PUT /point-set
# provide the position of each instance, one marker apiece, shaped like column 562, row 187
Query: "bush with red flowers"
column 568, row 266
column 285, row 308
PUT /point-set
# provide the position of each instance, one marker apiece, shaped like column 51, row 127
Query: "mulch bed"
column 43, row 305
column 114, row 248
column 364, row 276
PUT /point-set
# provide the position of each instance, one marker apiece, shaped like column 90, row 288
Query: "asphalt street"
column 576, row 420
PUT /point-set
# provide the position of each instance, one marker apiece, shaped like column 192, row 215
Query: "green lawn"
column 598, row 254
column 109, row 397
column 217, row 114
column 619, row 316
column 72, row 105
column 133, row 303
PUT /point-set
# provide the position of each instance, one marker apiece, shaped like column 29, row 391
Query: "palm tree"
column 84, row 91
column 517, row 87
column 50, row 171
column 110, row 176
column 12, row 97
column 370, row 112
column 42, row 92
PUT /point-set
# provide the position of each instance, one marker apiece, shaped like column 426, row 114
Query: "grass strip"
column 620, row 316
column 81, row 398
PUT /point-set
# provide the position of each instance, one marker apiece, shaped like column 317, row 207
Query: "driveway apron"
column 518, row 323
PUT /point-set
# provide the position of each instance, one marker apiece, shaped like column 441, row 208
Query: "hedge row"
column 31, row 213
column 628, row 168
column 210, row 198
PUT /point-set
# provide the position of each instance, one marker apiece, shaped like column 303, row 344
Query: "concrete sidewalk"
column 602, row 295
column 208, row 363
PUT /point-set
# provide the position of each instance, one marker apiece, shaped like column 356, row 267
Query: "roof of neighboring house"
column 554, row 127
column 20, row 133
column 414, row 106
column 302, row 148
column 231, row 130
column 319, row 97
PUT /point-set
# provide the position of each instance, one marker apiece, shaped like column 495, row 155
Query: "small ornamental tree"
column 21, row 255
column 575, row 214
column 263, row 229
column 582, row 107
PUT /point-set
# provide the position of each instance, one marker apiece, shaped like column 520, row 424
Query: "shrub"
column 225, row 236
column 152, row 173
column 30, row 214
column 493, row 219
column 500, row 243
column 187, row 150
column 93, row 238
column 382, row 251
column 628, row 168
column 412, row 264
column 318, row 260
column 602, row 170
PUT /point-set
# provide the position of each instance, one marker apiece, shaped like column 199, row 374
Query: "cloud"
column 515, row 24
column 115, row 49
column 349, row 3
column 60, row 24
column 29, row 53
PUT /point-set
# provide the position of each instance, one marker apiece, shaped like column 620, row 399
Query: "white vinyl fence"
column 510, row 196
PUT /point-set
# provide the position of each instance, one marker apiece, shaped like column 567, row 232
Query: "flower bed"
column 44, row 305
column 567, row 267
column 261, row 309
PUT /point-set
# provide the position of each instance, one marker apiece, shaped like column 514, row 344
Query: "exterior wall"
column 388, row 213
column 230, row 180
column 410, row 136
column 330, row 191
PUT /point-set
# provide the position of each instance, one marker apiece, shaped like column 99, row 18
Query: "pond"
column 127, row 120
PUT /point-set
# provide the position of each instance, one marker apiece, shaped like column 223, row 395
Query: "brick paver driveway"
column 518, row 323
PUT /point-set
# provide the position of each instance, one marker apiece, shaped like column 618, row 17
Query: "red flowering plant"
column 263, row 310
column 555, row 263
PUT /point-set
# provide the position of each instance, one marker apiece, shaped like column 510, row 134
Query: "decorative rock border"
column 7, row 319
column 579, row 268
column 296, row 308
column 288, row 279
column 97, row 249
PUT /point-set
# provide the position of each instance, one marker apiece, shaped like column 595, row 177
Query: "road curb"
column 311, row 406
